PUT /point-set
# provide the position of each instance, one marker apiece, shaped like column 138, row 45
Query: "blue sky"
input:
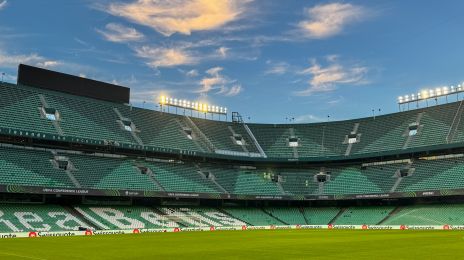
column 268, row 60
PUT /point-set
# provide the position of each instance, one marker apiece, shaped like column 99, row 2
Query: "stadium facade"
column 70, row 161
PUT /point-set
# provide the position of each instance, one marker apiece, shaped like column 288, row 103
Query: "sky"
column 272, row 61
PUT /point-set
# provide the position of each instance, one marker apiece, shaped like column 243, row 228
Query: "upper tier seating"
column 90, row 120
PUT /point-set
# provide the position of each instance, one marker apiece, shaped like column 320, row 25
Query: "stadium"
column 68, row 171
column 89, row 171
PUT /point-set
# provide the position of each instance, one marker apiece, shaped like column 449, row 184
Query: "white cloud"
column 157, row 57
column 222, row 51
column 192, row 73
column 233, row 91
column 309, row 118
column 3, row 4
column 330, row 19
column 181, row 16
column 326, row 79
column 148, row 95
column 120, row 33
column 13, row 60
column 278, row 68
column 219, row 84
column 49, row 64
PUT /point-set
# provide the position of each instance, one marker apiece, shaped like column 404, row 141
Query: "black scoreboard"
column 57, row 81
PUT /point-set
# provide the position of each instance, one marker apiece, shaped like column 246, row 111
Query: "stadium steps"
column 79, row 215
column 245, row 150
column 55, row 123
column 203, row 140
column 151, row 176
column 69, row 173
column 201, row 146
column 281, row 189
column 301, row 210
column 73, row 179
column 232, row 216
column 255, row 216
column 392, row 213
column 155, row 181
column 134, row 132
column 212, row 180
column 342, row 210
column 410, row 138
column 162, row 213
column 455, row 124
column 272, row 215
column 253, row 138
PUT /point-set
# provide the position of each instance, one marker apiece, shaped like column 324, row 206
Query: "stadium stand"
column 27, row 217
column 290, row 216
column 437, row 174
column 253, row 216
column 80, row 117
column 50, row 217
column 124, row 217
column 320, row 216
column 29, row 166
column 363, row 215
column 450, row 214
column 55, row 143
column 183, row 177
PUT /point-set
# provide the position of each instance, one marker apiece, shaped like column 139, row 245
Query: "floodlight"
column 184, row 103
column 445, row 90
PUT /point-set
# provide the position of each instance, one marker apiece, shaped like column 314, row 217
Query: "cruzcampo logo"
column 15, row 189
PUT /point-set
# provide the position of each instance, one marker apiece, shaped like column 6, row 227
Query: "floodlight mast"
column 192, row 106
column 430, row 94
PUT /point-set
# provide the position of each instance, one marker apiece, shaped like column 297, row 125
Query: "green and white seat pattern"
column 24, row 218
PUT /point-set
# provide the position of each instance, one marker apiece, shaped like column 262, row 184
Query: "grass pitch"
column 256, row 244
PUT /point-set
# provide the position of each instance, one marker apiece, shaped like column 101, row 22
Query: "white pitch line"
column 22, row 256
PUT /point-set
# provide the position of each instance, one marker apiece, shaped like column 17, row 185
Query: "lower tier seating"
column 363, row 215
column 428, row 215
column 15, row 217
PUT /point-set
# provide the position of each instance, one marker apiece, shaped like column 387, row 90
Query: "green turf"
column 263, row 244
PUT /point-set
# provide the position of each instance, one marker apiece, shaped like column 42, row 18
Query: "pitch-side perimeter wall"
column 34, row 234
